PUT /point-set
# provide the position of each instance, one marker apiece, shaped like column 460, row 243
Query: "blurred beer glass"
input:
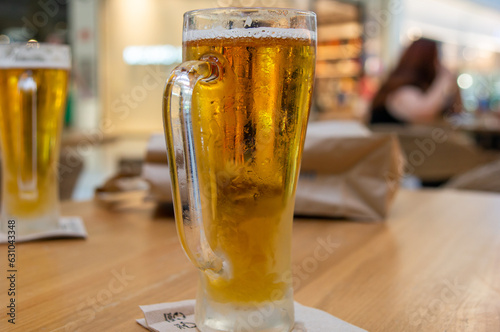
column 33, row 86
column 235, row 116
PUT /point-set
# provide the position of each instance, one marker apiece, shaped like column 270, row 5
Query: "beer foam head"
column 263, row 32
column 35, row 55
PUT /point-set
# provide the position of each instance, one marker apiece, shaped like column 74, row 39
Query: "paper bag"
column 347, row 172
column 155, row 170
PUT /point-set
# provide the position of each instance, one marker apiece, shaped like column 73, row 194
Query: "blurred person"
column 418, row 90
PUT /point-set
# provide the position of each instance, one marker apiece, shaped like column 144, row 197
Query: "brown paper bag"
column 155, row 170
column 347, row 172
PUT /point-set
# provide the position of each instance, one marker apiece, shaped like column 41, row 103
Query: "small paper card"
column 179, row 316
column 69, row 227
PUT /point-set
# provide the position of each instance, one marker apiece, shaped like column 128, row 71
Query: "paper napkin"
column 70, row 227
column 179, row 316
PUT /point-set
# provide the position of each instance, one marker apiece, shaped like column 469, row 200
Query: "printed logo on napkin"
column 178, row 319
column 178, row 316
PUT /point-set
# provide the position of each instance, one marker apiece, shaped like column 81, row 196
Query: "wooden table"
column 485, row 128
column 434, row 265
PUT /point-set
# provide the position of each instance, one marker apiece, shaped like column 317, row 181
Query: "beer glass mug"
column 33, row 84
column 235, row 116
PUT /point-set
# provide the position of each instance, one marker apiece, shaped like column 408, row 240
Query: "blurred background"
column 123, row 51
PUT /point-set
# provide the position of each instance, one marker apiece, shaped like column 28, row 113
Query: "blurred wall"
column 131, row 95
column 84, row 37
column 454, row 21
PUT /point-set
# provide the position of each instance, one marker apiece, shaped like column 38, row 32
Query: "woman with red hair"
column 418, row 90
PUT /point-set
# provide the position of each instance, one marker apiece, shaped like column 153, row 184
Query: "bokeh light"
column 465, row 81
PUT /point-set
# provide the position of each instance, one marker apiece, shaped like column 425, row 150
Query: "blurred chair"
column 69, row 172
column 482, row 178
column 437, row 154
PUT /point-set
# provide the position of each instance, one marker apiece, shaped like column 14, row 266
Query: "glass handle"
column 27, row 154
column 177, row 113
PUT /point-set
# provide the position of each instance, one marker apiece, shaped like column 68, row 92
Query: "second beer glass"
column 33, row 85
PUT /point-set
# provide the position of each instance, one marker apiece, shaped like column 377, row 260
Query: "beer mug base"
column 276, row 316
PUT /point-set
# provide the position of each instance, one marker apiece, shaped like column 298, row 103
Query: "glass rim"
column 35, row 55
column 38, row 45
column 297, row 12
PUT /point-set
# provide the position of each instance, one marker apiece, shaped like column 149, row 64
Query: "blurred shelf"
column 339, row 59
column 349, row 30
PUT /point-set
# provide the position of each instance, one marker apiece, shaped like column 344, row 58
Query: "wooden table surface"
column 434, row 265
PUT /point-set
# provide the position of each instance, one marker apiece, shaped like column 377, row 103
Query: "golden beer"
column 32, row 103
column 249, row 131
column 235, row 115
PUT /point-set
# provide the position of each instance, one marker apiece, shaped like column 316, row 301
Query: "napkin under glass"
column 179, row 316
